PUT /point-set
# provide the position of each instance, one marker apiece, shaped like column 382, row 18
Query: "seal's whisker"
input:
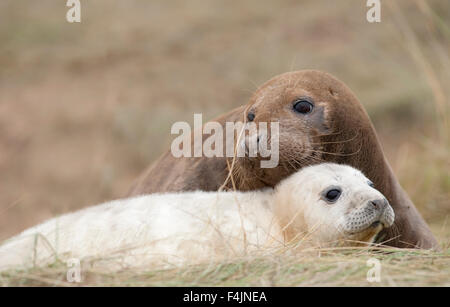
column 296, row 164
column 290, row 163
column 300, row 162
column 310, row 160
column 329, row 134
column 337, row 154
column 337, row 142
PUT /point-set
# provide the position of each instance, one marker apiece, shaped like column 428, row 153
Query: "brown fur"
column 338, row 130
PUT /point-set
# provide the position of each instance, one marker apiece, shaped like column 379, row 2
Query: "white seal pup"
column 319, row 206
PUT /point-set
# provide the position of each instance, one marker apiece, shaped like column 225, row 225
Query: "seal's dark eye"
column 332, row 195
column 250, row 116
column 370, row 183
column 303, row 106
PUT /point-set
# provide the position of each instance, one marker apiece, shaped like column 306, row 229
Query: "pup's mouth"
column 368, row 234
column 375, row 224
column 361, row 225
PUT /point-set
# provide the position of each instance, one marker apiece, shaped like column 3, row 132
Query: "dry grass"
column 333, row 268
column 84, row 108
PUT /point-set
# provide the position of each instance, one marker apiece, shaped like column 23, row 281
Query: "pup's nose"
column 382, row 211
column 379, row 204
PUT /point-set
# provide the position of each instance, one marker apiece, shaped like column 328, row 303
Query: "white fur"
column 196, row 226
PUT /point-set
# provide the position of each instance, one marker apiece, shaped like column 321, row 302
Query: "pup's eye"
column 370, row 183
column 303, row 106
column 250, row 116
column 332, row 195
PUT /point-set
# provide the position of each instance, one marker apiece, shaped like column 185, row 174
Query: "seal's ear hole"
column 332, row 92
column 331, row 194
column 303, row 105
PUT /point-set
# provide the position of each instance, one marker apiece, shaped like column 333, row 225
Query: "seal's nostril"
column 378, row 204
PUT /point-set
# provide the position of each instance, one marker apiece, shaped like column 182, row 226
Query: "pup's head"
column 331, row 205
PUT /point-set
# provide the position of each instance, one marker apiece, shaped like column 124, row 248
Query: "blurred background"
column 86, row 107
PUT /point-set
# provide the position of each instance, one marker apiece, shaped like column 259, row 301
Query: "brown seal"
column 320, row 120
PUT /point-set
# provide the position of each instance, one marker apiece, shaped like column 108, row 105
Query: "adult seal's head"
column 319, row 120
column 337, row 206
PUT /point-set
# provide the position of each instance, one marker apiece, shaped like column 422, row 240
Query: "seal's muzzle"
column 376, row 212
